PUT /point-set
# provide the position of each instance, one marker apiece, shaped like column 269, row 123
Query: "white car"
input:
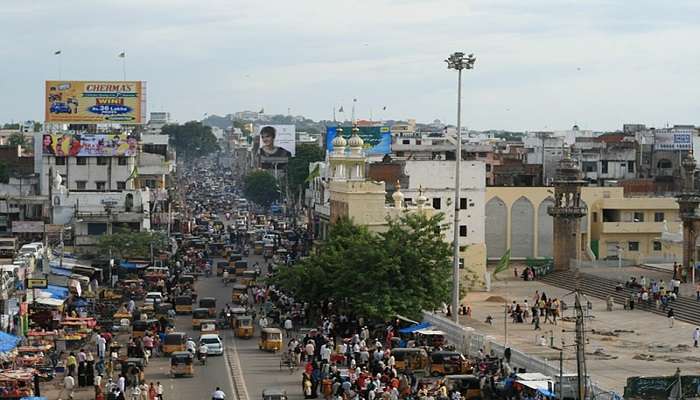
column 215, row 346
column 153, row 298
column 32, row 249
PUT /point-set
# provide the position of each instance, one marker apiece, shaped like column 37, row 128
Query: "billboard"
column 27, row 226
column 673, row 140
column 377, row 138
column 276, row 141
column 86, row 145
column 95, row 102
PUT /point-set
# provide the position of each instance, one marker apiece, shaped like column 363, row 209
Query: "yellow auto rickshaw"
column 258, row 247
column 243, row 326
column 174, row 342
column 415, row 359
column 468, row 386
column 240, row 267
column 237, row 291
column 183, row 304
column 449, row 363
column 139, row 328
column 210, row 304
column 220, row 267
column 181, row 364
column 198, row 315
column 268, row 250
column 248, row 278
column 270, row 339
column 208, row 326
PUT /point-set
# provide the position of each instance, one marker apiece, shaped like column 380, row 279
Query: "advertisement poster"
column 95, row 102
column 377, row 138
column 86, row 145
column 673, row 140
column 277, row 141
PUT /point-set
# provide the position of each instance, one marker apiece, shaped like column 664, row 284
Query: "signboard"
column 95, row 102
column 277, row 141
column 27, row 226
column 86, row 145
column 37, row 283
column 377, row 138
column 673, row 140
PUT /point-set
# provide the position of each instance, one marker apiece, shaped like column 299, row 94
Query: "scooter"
column 202, row 358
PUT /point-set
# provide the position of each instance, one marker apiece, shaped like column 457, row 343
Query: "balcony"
column 633, row 227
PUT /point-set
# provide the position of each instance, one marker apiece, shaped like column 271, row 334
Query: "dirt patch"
column 496, row 299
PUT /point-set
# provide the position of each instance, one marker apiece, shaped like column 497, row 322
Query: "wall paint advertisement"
column 27, row 226
column 673, row 141
column 377, row 138
column 88, row 145
column 95, row 102
column 277, row 141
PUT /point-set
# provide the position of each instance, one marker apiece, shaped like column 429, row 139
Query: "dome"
column 397, row 196
column 355, row 140
column 339, row 140
column 421, row 200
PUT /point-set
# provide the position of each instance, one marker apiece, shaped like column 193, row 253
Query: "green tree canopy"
column 192, row 139
column 261, row 188
column 298, row 167
column 125, row 244
column 402, row 271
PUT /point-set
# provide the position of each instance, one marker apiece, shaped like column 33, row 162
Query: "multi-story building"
column 157, row 121
column 603, row 161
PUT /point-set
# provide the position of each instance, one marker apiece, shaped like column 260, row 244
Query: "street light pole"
column 458, row 62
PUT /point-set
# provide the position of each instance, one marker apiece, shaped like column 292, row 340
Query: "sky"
column 541, row 64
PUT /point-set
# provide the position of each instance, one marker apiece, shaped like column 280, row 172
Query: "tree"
column 126, row 244
column 17, row 139
column 402, row 271
column 261, row 188
column 192, row 139
column 298, row 167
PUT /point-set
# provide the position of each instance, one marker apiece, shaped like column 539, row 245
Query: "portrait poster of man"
column 277, row 141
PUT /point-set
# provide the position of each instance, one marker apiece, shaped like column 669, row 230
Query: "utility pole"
column 580, row 348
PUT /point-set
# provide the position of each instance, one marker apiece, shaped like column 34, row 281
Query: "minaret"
column 567, row 212
column 688, row 201
column 337, row 157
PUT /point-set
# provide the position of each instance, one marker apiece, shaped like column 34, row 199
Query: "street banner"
column 88, row 145
column 377, row 139
column 95, row 102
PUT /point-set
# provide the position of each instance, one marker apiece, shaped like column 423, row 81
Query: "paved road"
column 258, row 369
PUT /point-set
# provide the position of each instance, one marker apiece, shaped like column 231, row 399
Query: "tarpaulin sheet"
column 8, row 342
column 128, row 265
column 414, row 328
column 57, row 292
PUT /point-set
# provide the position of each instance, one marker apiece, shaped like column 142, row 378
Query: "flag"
column 122, row 54
column 384, row 108
column 340, row 109
column 134, row 173
column 57, row 52
column 262, row 111
column 313, row 174
column 503, row 263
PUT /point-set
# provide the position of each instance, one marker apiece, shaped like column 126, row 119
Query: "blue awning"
column 8, row 342
column 57, row 292
column 546, row 393
column 61, row 271
column 414, row 328
column 129, row 265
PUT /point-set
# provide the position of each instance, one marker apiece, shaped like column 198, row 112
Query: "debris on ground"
column 644, row 357
column 496, row 299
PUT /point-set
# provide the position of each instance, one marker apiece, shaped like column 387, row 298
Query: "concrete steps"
column 685, row 309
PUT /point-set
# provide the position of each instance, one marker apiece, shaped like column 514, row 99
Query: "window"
column 96, row 228
column 595, row 217
column 630, row 166
column 60, row 161
column 603, row 167
column 482, row 155
column 121, row 160
column 436, row 203
column 659, row 217
column 418, row 141
column 488, row 167
column 664, row 164
column 638, row 217
column 633, row 246
column 461, row 263
column 408, row 200
column 100, row 185
column 80, row 185
column 121, row 185
column 463, row 231
column 406, row 141
column 463, row 203
column 657, row 245
column 81, row 161
column 102, row 160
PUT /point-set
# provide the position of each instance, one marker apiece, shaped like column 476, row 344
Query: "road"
column 254, row 370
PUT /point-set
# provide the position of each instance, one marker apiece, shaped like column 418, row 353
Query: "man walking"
column 68, row 386
column 671, row 317
column 696, row 336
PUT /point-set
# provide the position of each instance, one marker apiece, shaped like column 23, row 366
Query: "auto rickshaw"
column 208, row 326
column 415, row 359
column 274, row 394
column 139, row 328
column 270, row 339
column 243, row 326
column 186, row 279
column 174, row 342
column 258, row 247
column 241, row 266
column 198, row 315
column 220, row 267
column 449, row 363
column 233, row 257
column 237, row 291
column 248, row 278
column 164, row 310
column 181, row 364
column 467, row 385
column 268, row 250
column 183, row 304
column 210, row 304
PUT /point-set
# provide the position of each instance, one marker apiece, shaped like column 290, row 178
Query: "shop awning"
column 430, row 332
column 413, row 328
column 129, row 265
column 57, row 292
column 8, row 342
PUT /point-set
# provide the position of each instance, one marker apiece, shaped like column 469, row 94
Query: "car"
column 60, row 107
column 31, row 249
column 153, row 298
column 215, row 347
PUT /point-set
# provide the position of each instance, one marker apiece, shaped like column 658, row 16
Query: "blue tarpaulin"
column 546, row 393
column 33, row 398
column 414, row 328
column 57, row 292
column 60, row 271
column 128, row 265
column 8, row 342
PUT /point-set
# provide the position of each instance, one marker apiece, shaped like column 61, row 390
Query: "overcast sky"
column 540, row 64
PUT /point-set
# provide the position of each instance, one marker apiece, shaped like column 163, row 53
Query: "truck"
column 8, row 247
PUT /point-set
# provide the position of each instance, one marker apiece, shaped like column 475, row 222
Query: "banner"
column 86, row 145
column 27, row 226
column 377, row 138
column 673, row 140
column 277, row 141
column 95, row 102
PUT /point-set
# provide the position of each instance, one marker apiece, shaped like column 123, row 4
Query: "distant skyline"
column 540, row 64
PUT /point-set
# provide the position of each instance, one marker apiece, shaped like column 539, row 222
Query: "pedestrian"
column 671, row 316
column 71, row 363
column 68, row 388
column 536, row 321
column 159, row 390
column 696, row 336
column 288, row 326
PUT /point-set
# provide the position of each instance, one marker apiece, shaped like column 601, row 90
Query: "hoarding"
column 27, row 226
column 673, row 140
column 377, row 138
column 95, row 102
column 276, row 141
column 87, row 145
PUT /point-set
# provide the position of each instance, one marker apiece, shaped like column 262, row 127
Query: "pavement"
column 620, row 343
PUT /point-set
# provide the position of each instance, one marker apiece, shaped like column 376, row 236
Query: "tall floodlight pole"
column 459, row 62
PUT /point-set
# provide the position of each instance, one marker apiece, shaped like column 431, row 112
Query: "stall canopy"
column 8, row 342
column 413, row 328
column 57, row 292
column 130, row 265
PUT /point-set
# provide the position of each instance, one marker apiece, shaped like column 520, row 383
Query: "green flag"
column 503, row 263
column 313, row 174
